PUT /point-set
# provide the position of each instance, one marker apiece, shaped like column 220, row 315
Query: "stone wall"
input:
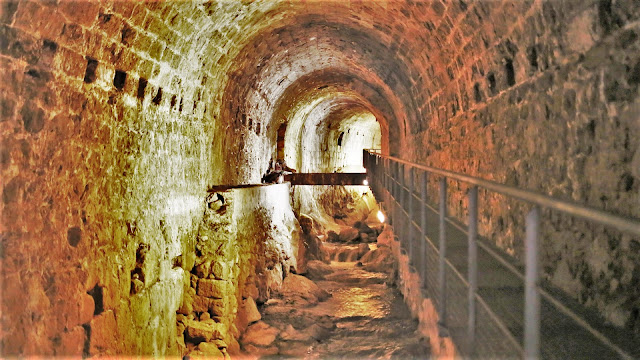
column 96, row 202
column 332, row 207
column 106, row 131
column 246, row 245
column 116, row 117
column 549, row 103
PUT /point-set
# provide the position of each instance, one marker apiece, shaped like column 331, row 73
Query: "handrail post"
column 365, row 158
column 423, row 226
column 389, row 184
column 473, row 267
column 396, row 197
column 410, row 231
column 394, row 187
column 532, row 292
column 373, row 174
column 392, row 183
column 394, row 172
column 442, row 279
column 376, row 179
column 401, row 201
column 384, row 181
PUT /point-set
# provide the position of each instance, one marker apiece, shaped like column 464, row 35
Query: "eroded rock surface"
column 243, row 252
column 360, row 315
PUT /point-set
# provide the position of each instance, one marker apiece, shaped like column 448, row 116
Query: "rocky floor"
column 341, row 309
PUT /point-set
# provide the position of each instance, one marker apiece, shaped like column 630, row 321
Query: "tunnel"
column 148, row 151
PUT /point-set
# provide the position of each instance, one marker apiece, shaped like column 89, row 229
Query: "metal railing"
column 474, row 325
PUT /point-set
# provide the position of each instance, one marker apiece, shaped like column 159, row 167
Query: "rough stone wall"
column 246, row 245
column 116, row 116
column 335, row 206
column 106, row 156
column 550, row 103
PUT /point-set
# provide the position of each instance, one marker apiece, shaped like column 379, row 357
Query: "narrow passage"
column 348, row 307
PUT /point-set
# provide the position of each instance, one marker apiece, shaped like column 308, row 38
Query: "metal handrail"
column 464, row 281
column 391, row 170
column 621, row 223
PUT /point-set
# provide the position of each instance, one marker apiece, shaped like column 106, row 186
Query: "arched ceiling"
column 404, row 58
column 321, row 50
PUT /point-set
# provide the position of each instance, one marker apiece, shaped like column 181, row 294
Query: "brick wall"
column 117, row 116
column 106, row 157
column 548, row 102
column 537, row 94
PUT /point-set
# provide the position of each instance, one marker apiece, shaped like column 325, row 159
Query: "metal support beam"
column 473, row 267
column 326, row 178
column 442, row 275
column 423, row 226
column 532, row 292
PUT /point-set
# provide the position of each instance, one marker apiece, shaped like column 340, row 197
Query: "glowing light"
column 365, row 182
column 180, row 205
column 380, row 216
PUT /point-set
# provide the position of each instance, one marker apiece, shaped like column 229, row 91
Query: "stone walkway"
column 338, row 310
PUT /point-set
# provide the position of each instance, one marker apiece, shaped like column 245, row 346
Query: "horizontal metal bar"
column 545, row 294
column 584, row 212
column 465, row 283
column 574, row 209
column 326, row 178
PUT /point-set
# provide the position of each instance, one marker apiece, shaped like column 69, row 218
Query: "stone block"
column 81, row 12
column 317, row 270
column 72, row 36
column 233, row 348
column 302, row 288
column 260, row 334
column 86, row 308
column 348, row 234
column 250, row 290
column 72, row 342
column 220, row 270
column 103, row 329
column 110, row 24
column 204, row 269
column 216, row 289
column 70, row 63
column 201, row 303
column 81, row 312
column 19, row 45
column 198, row 331
column 187, row 305
column 7, row 108
column 378, row 260
column 251, row 310
column 124, row 8
column 219, row 307
column 210, row 350
column 140, row 305
column 291, row 334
